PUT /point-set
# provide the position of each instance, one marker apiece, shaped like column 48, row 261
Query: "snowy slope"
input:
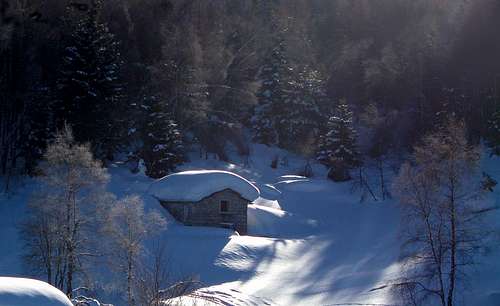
column 311, row 242
column 316, row 244
column 28, row 292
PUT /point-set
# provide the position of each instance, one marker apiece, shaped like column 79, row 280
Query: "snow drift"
column 192, row 186
column 29, row 292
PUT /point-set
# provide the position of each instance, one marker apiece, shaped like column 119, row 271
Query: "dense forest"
column 150, row 78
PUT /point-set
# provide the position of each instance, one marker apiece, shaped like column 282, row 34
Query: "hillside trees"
column 24, row 113
column 413, row 58
column 58, row 231
column 376, row 145
column 442, row 213
column 89, row 91
column 288, row 100
column 337, row 148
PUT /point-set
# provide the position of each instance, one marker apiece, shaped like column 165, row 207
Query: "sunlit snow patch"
column 29, row 292
column 221, row 295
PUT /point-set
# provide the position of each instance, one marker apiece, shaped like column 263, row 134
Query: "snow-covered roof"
column 192, row 186
column 30, row 292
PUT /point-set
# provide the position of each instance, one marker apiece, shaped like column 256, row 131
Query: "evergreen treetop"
column 338, row 149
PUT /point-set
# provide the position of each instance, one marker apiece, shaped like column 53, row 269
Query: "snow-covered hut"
column 206, row 198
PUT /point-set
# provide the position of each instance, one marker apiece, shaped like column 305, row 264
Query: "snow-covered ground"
column 28, row 292
column 310, row 242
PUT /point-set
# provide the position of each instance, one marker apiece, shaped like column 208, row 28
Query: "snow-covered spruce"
column 275, row 75
column 337, row 148
column 288, row 101
column 163, row 148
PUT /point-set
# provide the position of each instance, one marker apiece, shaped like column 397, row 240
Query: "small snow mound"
column 29, row 292
column 219, row 295
column 290, row 182
column 265, row 221
column 293, row 177
column 268, row 191
column 267, row 203
column 192, row 186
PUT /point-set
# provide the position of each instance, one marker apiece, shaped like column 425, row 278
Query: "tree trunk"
column 71, row 240
column 453, row 255
column 382, row 179
column 453, row 242
column 69, row 275
column 129, row 280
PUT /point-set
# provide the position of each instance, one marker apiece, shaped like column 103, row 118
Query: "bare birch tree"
column 128, row 226
column 441, row 202
column 57, row 233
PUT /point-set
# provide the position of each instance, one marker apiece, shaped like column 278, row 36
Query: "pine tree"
column 89, row 88
column 314, row 85
column 163, row 148
column 275, row 75
column 337, row 148
column 289, row 100
column 302, row 116
column 493, row 136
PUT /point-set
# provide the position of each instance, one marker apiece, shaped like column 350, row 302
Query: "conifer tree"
column 289, row 100
column 163, row 147
column 493, row 137
column 301, row 116
column 89, row 89
column 337, row 148
column 275, row 76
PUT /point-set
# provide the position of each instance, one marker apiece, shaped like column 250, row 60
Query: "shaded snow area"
column 28, row 292
column 311, row 241
column 192, row 186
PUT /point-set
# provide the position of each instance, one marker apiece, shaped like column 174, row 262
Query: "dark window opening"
column 224, row 206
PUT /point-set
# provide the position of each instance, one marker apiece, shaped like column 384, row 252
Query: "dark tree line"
column 149, row 78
